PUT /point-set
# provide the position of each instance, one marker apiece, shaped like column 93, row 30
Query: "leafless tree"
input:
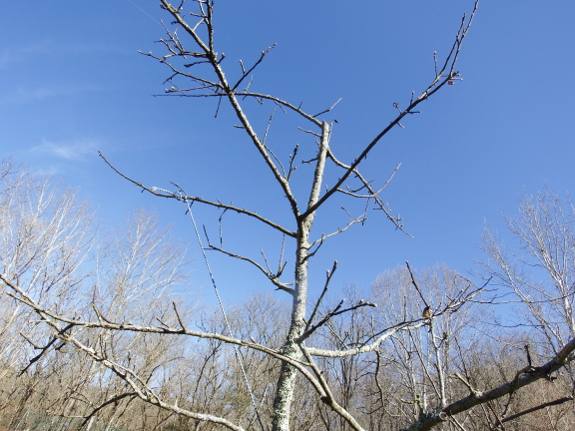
column 427, row 363
column 201, row 67
column 52, row 247
column 538, row 281
column 541, row 278
column 105, row 332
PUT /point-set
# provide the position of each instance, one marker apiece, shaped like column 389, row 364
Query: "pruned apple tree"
column 197, row 70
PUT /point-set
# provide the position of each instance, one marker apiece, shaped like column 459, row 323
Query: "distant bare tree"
column 541, row 277
column 426, row 362
column 51, row 246
column 538, row 281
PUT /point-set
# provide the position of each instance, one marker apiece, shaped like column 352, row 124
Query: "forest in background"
column 64, row 256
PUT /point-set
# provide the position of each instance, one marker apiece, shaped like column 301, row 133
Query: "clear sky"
column 73, row 83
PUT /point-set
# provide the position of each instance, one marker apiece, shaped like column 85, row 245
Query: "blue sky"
column 73, row 83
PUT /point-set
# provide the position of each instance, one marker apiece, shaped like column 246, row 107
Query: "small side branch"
column 245, row 73
column 536, row 408
column 327, row 110
column 329, row 275
column 274, row 278
column 114, row 399
column 371, row 192
column 351, row 222
column 417, row 288
column 183, row 197
column 335, row 312
column 46, row 348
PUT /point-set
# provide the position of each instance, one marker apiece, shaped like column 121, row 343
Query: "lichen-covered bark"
column 287, row 380
column 286, row 384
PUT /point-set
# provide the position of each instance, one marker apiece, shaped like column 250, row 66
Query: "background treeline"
column 55, row 248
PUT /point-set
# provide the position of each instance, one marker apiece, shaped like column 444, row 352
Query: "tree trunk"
column 286, row 384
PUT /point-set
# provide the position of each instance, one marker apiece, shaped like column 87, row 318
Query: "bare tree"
column 541, row 277
column 426, row 362
column 43, row 244
column 52, row 247
column 201, row 67
column 538, row 280
column 211, row 81
column 105, row 332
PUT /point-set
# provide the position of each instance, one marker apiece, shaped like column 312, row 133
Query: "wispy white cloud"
column 25, row 95
column 29, row 52
column 6, row 58
column 69, row 150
